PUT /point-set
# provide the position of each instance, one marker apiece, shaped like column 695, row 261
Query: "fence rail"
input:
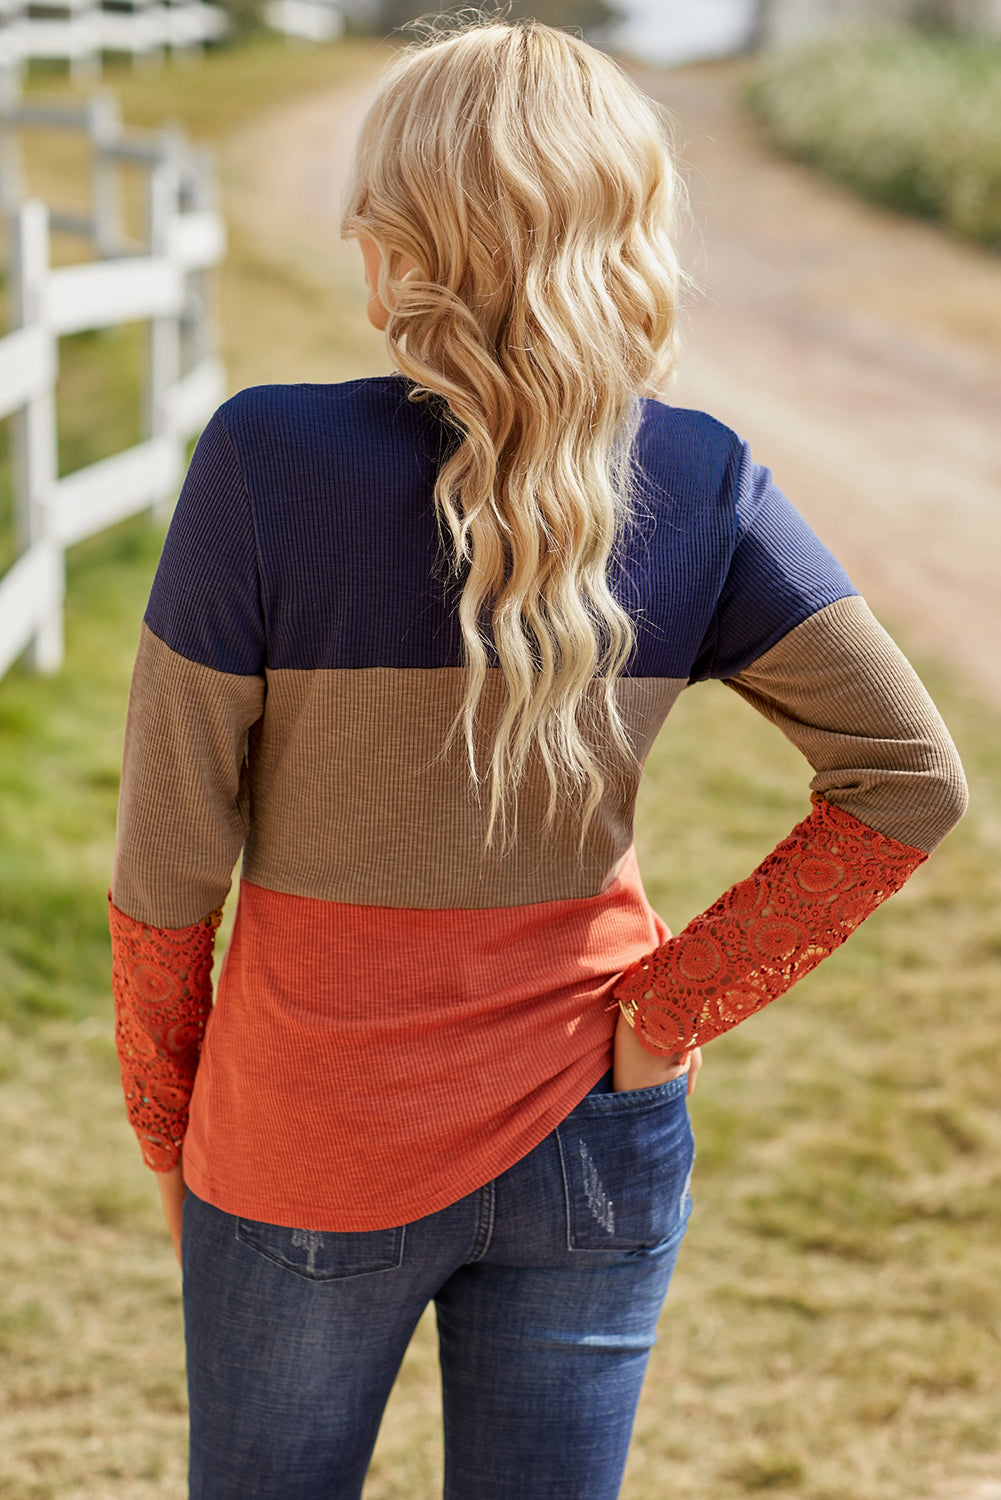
column 163, row 285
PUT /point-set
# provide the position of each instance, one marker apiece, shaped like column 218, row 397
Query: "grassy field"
column 910, row 121
column 833, row 1332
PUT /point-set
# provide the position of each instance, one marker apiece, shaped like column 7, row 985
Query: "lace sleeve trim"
column 161, row 979
column 766, row 932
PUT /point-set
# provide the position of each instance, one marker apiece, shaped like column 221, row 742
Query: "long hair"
column 531, row 184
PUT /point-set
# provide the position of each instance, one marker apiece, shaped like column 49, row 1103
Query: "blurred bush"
column 911, row 120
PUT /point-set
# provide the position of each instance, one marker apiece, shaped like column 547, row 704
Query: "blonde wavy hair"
column 531, row 184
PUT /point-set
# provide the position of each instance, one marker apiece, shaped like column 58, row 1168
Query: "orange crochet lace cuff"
column 800, row 904
column 161, row 978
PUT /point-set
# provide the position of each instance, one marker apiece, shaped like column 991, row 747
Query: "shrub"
column 910, row 120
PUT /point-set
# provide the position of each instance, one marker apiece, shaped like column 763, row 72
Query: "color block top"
column 401, row 1013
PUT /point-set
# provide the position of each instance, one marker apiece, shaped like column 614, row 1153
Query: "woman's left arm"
column 197, row 689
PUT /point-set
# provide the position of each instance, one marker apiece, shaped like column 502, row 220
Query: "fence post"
column 35, row 444
column 164, row 348
column 198, row 194
column 104, row 125
column 85, row 62
column 10, row 140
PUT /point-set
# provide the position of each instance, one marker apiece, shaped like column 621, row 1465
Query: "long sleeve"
column 887, row 787
column 197, row 690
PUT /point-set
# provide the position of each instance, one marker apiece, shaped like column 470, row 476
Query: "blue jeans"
column 547, row 1283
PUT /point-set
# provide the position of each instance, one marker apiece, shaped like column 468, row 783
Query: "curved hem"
column 283, row 1211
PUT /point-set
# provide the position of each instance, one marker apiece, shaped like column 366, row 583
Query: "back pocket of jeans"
column 324, row 1256
column 627, row 1164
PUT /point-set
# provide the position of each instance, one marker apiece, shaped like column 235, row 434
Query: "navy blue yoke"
column 305, row 536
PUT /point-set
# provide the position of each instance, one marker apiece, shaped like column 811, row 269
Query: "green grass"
column 909, row 120
column 833, row 1329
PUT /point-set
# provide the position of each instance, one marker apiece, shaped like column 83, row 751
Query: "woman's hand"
column 172, row 1191
column 636, row 1068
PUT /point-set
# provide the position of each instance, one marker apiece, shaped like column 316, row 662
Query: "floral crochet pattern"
column 162, row 984
column 766, row 932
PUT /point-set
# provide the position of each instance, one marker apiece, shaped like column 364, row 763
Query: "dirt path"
column 859, row 353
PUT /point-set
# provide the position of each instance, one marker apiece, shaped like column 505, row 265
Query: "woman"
column 409, row 643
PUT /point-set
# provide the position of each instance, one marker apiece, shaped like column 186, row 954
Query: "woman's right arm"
column 887, row 782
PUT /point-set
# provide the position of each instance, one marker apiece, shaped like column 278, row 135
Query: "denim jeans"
column 547, row 1284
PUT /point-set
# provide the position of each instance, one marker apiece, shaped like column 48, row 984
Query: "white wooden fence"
column 80, row 30
column 163, row 284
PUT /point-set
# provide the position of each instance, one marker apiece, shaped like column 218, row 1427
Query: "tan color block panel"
column 845, row 695
column 340, row 783
column 356, row 800
column 183, row 807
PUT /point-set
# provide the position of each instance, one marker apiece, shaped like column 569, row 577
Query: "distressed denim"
column 547, row 1284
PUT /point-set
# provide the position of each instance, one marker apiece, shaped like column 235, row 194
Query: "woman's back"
column 303, row 609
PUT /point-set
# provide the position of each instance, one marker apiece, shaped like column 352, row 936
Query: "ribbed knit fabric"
column 402, row 1013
